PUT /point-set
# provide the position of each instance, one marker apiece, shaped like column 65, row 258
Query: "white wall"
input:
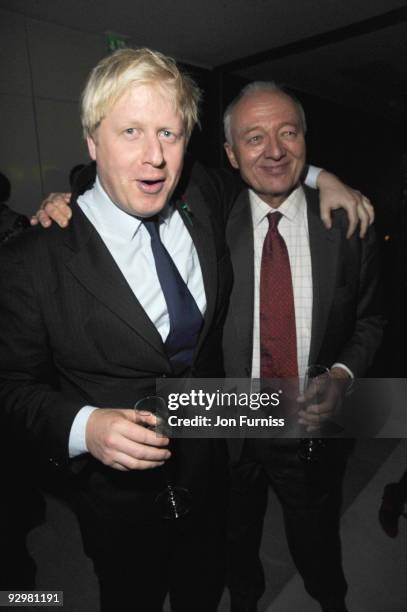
column 43, row 68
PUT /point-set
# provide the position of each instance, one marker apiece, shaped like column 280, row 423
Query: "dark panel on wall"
column 204, row 143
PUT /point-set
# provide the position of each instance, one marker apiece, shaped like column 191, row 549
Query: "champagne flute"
column 174, row 501
column 317, row 378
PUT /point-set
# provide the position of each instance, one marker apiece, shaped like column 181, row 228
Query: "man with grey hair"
column 250, row 89
column 195, row 188
column 301, row 296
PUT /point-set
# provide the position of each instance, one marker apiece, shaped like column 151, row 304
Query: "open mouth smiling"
column 150, row 185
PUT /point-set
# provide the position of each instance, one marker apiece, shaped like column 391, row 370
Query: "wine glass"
column 316, row 379
column 174, row 501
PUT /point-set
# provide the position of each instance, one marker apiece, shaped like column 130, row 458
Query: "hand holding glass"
column 316, row 383
column 173, row 501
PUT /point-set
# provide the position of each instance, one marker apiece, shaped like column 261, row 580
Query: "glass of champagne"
column 317, row 380
column 174, row 501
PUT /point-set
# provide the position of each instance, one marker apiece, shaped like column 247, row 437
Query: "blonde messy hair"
column 114, row 74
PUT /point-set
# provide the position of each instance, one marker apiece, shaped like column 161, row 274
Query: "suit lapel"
column 324, row 247
column 241, row 244
column 93, row 266
column 193, row 211
column 90, row 262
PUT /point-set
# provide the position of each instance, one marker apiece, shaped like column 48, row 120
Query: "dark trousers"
column 310, row 497
column 140, row 557
column 137, row 567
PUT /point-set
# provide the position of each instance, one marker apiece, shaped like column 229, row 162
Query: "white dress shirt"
column 293, row 227
column 129, row 243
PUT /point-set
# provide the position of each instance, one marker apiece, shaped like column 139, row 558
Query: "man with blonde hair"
column 100, row 305
column 135, row 289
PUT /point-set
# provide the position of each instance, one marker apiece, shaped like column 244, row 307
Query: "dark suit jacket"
column 11, row 223
column 346, row 318
column 72, row 332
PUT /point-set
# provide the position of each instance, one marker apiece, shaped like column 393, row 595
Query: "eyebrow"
column 253, row 128
column 247, row 130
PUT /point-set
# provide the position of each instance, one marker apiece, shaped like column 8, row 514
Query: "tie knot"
column 274, row 219
column 151, row 225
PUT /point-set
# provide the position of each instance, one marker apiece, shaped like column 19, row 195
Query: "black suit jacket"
column 11, row 223
column 347, row 323
column 72, row 332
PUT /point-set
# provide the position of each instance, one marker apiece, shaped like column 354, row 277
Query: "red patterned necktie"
column 278, row 340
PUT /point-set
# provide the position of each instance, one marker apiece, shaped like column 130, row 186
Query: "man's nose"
column 274, row 148
column 153, row 151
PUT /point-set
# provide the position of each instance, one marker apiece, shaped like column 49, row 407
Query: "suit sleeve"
column 227, row 185
column 358, row 353
column 33, row 410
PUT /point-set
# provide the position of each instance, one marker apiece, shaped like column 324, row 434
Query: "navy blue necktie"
column 185, row 317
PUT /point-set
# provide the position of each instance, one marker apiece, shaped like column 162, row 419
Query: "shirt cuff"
column 344, row 367
column 312, row 175
column 349, row 373
column 77, row 436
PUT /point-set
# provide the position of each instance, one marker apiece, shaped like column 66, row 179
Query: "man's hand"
column 120, row 438
column 56, row 208
column 335, row 194
column 322, row 400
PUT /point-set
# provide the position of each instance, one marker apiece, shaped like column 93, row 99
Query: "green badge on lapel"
column 186, row 211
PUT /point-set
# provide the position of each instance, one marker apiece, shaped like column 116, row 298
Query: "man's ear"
column 231, row 156
column 91, row 147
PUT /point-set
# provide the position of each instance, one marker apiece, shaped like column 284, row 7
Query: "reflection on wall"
column 42, row 71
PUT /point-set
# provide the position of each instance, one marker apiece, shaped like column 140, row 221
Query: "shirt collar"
column 113, row 220
column 290, row 208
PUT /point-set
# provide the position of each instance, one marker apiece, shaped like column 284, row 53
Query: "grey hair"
column 249, row 90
